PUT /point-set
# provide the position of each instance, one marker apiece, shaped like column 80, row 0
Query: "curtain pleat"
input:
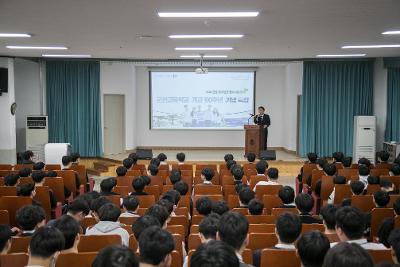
column 392, row 131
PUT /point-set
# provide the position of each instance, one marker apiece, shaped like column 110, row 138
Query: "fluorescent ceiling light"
column 72, row 56
column 390, row 32
column 343, row 55
column 208, row 14
column 37, row 47
column 202, row 48
column 205, row 56
column 2, row 34
column 204, row 36
column 371, row 46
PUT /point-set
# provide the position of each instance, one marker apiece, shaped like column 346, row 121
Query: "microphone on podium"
column 251, row 116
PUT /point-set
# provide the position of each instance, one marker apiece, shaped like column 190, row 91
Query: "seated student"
column 287, row 229
column 5, row 239
column 312, row 248
column 233, row 231
column 381, row 199
column 206, row 175
column 214, row 253
column 106, row 187
column 168, row 205
column 172, row 196
column 237, row 173
column 155, row 246
column 230, row 164
column 146, row 179
column 347, row 161
column 228, row 157
column 134, row 157
column 38, row 166
column 116, row 256
column 181, row 187
column 272, row 175
column 180, row 157
column 138, row 185
column 347, row 254
column 321, row 162
column 329, row 170
column 394, row 170
column 160, row 213
column 220, row 207
column 337, row 157
column 245, row 195
column 162, row 158
column 96, row 204
column 286, row 194
column 394, row 241
column 364, row 161
column 53, row 174
column 204, row 206
column 327, row 214
column 130, row 206
column 143, row 223
column 77, row 210
column 373, row 180
column 152, row 170
column 121, row 171
column 108, row 224
column 24, row 172
column 38, row 179
column 312, row 159
column 67, row 164
column 45, row 246
column 350, row 227
column 336, row 180
column 175, row 176
column 28, row 190
column 155, row 162
column 127, row 163
column 27, row 157
column 387, row 186
column 363, row 174
column 70, row 229
column 256, row 207
column 251, row 157
column 11, row 179
column 357, row 188
column 261, row 167
column 76, row 158
column 383, row 156
column 305, row 203
column 30, row 218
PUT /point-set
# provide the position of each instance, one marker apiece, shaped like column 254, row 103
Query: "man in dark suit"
column 265, row 121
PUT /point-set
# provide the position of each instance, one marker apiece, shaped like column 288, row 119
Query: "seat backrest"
column 134, row 173
column 81, row 170
column 194, row 241
column 262, row 190
column 53, row 167
column 123, row 191
column 377, row 216
column 42, row 195
column 180, row 220
column 198, row 180
column 154, row 190
column 254, row 179
column 342, row 191
column 71, row 259
column 141, row 167
column 378, row 172
column 233, row 201
column 88, row 222
column 125, row 181
column 207, row 189
column 69, row 179
column 364, row 203
column 243, row 211
column 4, row 217
column 270, row 202
column 26, row 180
column 133, row 244
column 279, row 258
column 176, row 229
column 228, row 190
column 312, row 227
column 327, row 186
column 12, row 204
column 315, row 176
column 20, row 244
column 157, row 180
column 185, row 201
column 8, row 191
column 393, row 199
column 262, row 228
column 6, row 167
column 176, row 259
column 307, row 170
column 196, row 219
column 278, row 211
column 94, row 243
column 186, row 167
column 262, row 240
column 381, row 255
column 397, row 222
column 14, row 260
column 115, row 199
column 348, row 172
column 2, row 181
column 127, row 220
column 394, row 179
column 257, row 219
column 372, row 189
column 183, row 211
column 56, row 184
column 4, row 173
column 146, row 201
column 18, row 167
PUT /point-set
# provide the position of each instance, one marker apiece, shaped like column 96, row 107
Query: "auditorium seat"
column 94, row 243
column 180, row 220
column 18, row 167
column 306, row 227
column 154, row 190
column 394, row 179
column 342, row 191
column 146, row 201
column 365, row 203
column 233, row 201
column 279, row 258
column 228, row 190
column 262, row 190
column 372, row 189
column 258, row 219
column 315, row 176
column 12, row 204
column 14, row 260
column 8, row 191
column 377, row 217
column 69, row 180
column 262, row 228
column 26, row 180
column 43, row 197
column 125, row 181
column 88, row 221
column 133, row 173
column 72, row 259
column 19, row 244
column 327, row 186
column 4, row 217
column 176, row 259
column 207, row 190
column 380, row 256
column 185, row 201
column 52, row 167
column 176, row 229
column 393, row 199
column 278, row 211
column 262, row 240
column 81, row 170
column 243, row 211
column 6, row 167
column 182, row 167
column 115, row 199
column 127, row 220
column 123, row 191
column 194, row 241
column 133, row 244
column 196, row 219
column 307, row 171
column 378, row 172
column 270, row 202
column 348, row 173
column 254, row 179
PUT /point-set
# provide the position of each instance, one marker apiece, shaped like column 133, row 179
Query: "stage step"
column 92, row 171
column 103, row 166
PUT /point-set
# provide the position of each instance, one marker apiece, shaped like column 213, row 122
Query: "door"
column 114, row 126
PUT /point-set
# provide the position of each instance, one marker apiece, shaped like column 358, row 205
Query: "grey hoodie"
column 109, row 228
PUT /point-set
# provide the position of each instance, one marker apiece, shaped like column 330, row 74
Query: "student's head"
column 273, row 173
column 220, row 207
column 386, row 185
column 204, row 206
column 128, row 162
column 26, row 190
column 330, row 169
column 116, row 256
column 30, row 217
column 160, row 213
column 373, row 180
column 381, row 199
column 338, row 156
column 134, row 157
column 312, row 157
column 51, row 174
column 96, row 204
column 350, row 223
column 109, row 212
column 78, row 209
column 339, row 179
column 27, row 155
column 347, row 161
column 146, row 179
column 38, row 166
column 394, row 242
column 75, row 157
column 181, row 187
column 70, row 229
column 261, row 110
column 207, row 174
column 321, row 162
column 180, row 157
column 328, row 213
column 208, row 227
column 363, row 170
column 5, row 238
column 286, row 194
column 251, row 157
column 175, row 176
column 162, row 157
column 256, row 207
column 347, row 254
column 107, row 185
column 312, row 248
column 237, row 172
column 214, row 253
column 143, row 223
column 383, row 156
column 121, row 171
column 357, row 187
column 245, row 195
column 385, row 228
column 11, row 179
column 167, row 204
column 395, row 169
column 155, row 162
column 172, row 196
column 230, row 164
column 138, row 184
column 261, row 166
column 228, row 157
column 364, row 161
column 288, row 227
column 152, row 169
column 46, row 243
column 25, row 172
column 304, row 202
column 38, row 176
column 396, row 206
column 66, row 161
column 233, row 230
column 155, row 246
column 130, row 203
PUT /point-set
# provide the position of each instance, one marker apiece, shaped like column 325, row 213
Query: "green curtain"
column 333, row 93
column 392, row 131
column 73, row 105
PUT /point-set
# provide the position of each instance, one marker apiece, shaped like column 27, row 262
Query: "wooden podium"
column 254, row 139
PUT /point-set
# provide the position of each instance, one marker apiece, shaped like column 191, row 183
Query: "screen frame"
column 254, row 71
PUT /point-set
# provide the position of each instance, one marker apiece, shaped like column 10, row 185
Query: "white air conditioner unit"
column 37, row 135
column 55, row 151
column 364, row 138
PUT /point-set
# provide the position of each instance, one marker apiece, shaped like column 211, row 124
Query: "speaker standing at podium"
column 263, row 119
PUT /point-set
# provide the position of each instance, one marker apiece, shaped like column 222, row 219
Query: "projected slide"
column 186, row 100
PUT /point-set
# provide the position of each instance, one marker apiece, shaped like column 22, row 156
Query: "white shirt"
column 240, row 258
column 285, row 246
column 364, row 244
column 364, row 179
column 265, row 183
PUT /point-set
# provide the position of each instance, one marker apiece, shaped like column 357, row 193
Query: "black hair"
column 251, row 157
column 351, row 221
column 159, row 212
column 134, row 157
column 373, row 180
column 29, row 216
column 337, row 179
column 175, row 176
column 46, row 241
column 25, row 172
column 228, row 157
column 256, row 207
column 143, row 223
column 155, row 161
column 204, row 206
column 70, row 228
column 51, row 174
column 209, row 226
column 181, row 187
column 347, row 162
column 25, row 190
column 385, row 183
column 5, row 236
column 246, row 194
column 116, row 256
column 173, row 196
column 261, row 107
column 394, row 242
column 220, row 207
column 79, row 205
column 321, row 162
column 208, row 173
column 11, row 179
column 138, row 184
column 231, row 164
column 384, row 231
column 288, row 227
column 38, row 176
column 97, row 203
column 384, row 155
column 108, row 184
column 109, row 212
column 181, row 157
column 330, row 169
column 27, row 155
column 154, row 245
column 395, row 169
column 237, row 172
column 38, row 166
column 167, row 204
column 357, row 187
column 130, row 203
column 328, row 213
column 66, row 160
column 363, row 170
column 312, row 157
column 286, row 194
column 304, row 202
column 153, row 169
column 261, row 166
column 347, row 254
column 273, row 173
column 234, row 229
column 381, row 198
column 75, row 156
column 121, row 171
column 162, row 157
column 214, row 253
column 312, row 248
column 128, row 162
column 396, row 206
column 338, row 156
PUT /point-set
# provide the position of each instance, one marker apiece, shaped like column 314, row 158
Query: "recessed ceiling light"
column 37, row 47
column 205, row 56
column 371, row 46
column 204, row 36
column 390, row 32
column 208, row 14
column 203, row 48
column 343, row 55
column 23, row 35
column 72, row 56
